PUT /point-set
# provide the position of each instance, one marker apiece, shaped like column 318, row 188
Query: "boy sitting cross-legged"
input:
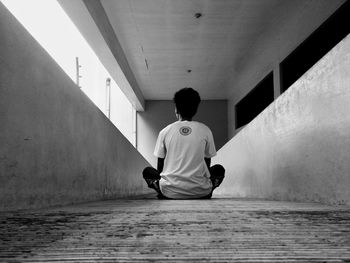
column 184, row 150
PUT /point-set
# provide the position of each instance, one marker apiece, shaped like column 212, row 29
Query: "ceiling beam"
column 91, row 19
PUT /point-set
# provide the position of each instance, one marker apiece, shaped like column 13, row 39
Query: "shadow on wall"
column 299, row 147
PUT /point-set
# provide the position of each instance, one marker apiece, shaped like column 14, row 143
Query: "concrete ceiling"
column 162, row 40
column 159, row 41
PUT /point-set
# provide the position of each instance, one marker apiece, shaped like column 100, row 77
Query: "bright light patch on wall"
column 47, row 22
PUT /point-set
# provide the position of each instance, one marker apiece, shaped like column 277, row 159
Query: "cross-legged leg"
column 152, row 177
column 217, row 175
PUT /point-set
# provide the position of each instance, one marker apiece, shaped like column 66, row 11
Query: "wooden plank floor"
column 217, row 230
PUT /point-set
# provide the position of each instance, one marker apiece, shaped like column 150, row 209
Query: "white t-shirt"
column 184, row 145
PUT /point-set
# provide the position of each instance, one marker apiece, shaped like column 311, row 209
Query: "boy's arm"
column 207, row 161
column 160, row 165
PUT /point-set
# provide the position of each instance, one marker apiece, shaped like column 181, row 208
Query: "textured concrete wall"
column 158, row 114
column 272, row 46
column 299, row 147
column 56, row 146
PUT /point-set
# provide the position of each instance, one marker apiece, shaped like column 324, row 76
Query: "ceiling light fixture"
column 197, row 15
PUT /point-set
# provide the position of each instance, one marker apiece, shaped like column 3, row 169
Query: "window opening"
column 318, row 44
column 255, row 101
column 47, row 22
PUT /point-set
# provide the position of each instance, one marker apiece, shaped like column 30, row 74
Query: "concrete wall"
column 159, row 114
column 299, row 147
column 56, row 147
column 272, row 46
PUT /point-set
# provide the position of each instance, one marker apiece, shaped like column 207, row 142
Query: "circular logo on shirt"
column 185, row 130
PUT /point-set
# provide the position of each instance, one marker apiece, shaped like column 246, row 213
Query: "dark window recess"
column 321, row 41
column 255, row 101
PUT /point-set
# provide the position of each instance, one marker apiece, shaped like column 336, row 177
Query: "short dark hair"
column 187, row 101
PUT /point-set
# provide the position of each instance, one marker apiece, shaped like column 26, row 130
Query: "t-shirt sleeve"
column 210, row 150
column 159, row 150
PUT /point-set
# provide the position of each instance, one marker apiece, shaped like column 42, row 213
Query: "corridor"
column 273, row 78
column 150, row 230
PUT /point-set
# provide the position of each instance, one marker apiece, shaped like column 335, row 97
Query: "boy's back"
column 184, row 150
column 185, row 144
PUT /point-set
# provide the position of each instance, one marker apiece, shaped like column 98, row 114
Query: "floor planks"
column 148, row 230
